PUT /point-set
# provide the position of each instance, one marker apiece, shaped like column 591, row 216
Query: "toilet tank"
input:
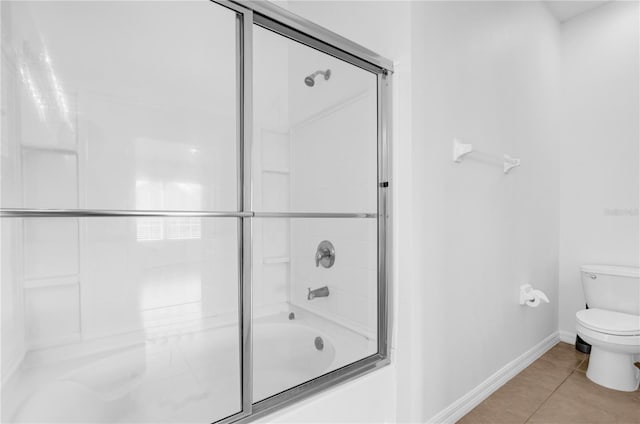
column 614, row 288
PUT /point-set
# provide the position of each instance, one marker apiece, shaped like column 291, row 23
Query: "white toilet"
column 611, row 325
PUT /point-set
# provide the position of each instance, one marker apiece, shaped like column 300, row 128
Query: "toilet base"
column 613, row 370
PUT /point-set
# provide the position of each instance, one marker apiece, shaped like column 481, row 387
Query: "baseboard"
column 466, row 403
column 567, row 336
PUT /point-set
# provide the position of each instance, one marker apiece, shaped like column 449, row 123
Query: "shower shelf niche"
column 276, row 171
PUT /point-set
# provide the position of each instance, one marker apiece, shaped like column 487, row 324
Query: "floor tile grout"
column 548, row 397
column 570, row 369
column 554, row 390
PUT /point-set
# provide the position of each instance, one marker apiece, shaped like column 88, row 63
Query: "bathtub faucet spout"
column 321, row 292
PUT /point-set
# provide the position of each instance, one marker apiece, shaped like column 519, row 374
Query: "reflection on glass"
column 326, row 332
column 102, row 96
column 315, row 146
column 314, row 150
column 108, row 328
column 158, row 195
column 118, row 105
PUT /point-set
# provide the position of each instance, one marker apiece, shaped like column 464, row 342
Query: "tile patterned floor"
column 555, row 390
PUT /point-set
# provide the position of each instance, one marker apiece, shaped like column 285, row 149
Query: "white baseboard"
column 568, row 336
column 466, row 403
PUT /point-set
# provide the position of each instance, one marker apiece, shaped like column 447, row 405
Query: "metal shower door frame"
column 289, row 25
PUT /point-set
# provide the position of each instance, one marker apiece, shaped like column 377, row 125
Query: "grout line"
column 552, row 393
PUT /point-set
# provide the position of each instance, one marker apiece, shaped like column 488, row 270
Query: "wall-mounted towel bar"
column 460, row 150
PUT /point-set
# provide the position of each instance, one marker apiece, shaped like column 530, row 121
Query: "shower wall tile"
column 133, row 284
column 275, row 280
column 52, row 314
column 271, row 237
column 275, row 192
column 334, row 169
column 50, row 179
column 12, row 325
column 50, row 247
column 275, row 150
column 334, row 159
column 352, row 280
column 166, row 158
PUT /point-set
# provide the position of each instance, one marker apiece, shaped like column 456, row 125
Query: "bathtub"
column 285, row 355
column 186, row 378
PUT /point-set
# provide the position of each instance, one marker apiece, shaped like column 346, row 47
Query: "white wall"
column 600, row 184
column 369, row 399
column 485, row 72
column 469, row 236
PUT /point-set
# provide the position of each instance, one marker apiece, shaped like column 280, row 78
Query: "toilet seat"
column 615, row 342
column 609, row 322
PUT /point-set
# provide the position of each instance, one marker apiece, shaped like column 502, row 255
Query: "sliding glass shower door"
column 315, row 196
column 120, row 298
column 193, row 210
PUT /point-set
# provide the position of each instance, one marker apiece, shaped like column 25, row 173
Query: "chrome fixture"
column 321, row 292
column 319, row 343
column 102, row 213
column 326, row 254
column 310, row 80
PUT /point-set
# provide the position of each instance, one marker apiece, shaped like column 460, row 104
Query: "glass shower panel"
column 314, row 151
column 298, row 337
column 138, row 325
column 315, row 130
column 119, row 105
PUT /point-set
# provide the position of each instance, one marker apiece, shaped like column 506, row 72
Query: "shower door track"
column 106, row 213
column 287, row 24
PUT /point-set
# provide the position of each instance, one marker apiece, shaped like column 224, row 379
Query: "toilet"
column 611, row 324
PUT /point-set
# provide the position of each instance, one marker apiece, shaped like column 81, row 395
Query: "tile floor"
column 555, row 389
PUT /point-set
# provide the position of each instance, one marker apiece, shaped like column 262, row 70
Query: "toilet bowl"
column 615, row 341
column 611, row 325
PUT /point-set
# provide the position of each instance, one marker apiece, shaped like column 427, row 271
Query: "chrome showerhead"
column 310, row 80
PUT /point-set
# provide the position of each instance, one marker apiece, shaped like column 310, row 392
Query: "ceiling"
column 565, row 10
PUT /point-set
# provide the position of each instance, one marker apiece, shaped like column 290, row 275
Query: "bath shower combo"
column 180, row 288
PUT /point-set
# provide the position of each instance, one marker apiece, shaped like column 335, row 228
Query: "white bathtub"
column 190, row 377
column 285, row 355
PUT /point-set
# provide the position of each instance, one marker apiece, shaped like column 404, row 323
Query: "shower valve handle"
column 325, row 254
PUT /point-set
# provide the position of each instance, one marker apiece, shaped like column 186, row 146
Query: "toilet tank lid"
column 622, row 271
